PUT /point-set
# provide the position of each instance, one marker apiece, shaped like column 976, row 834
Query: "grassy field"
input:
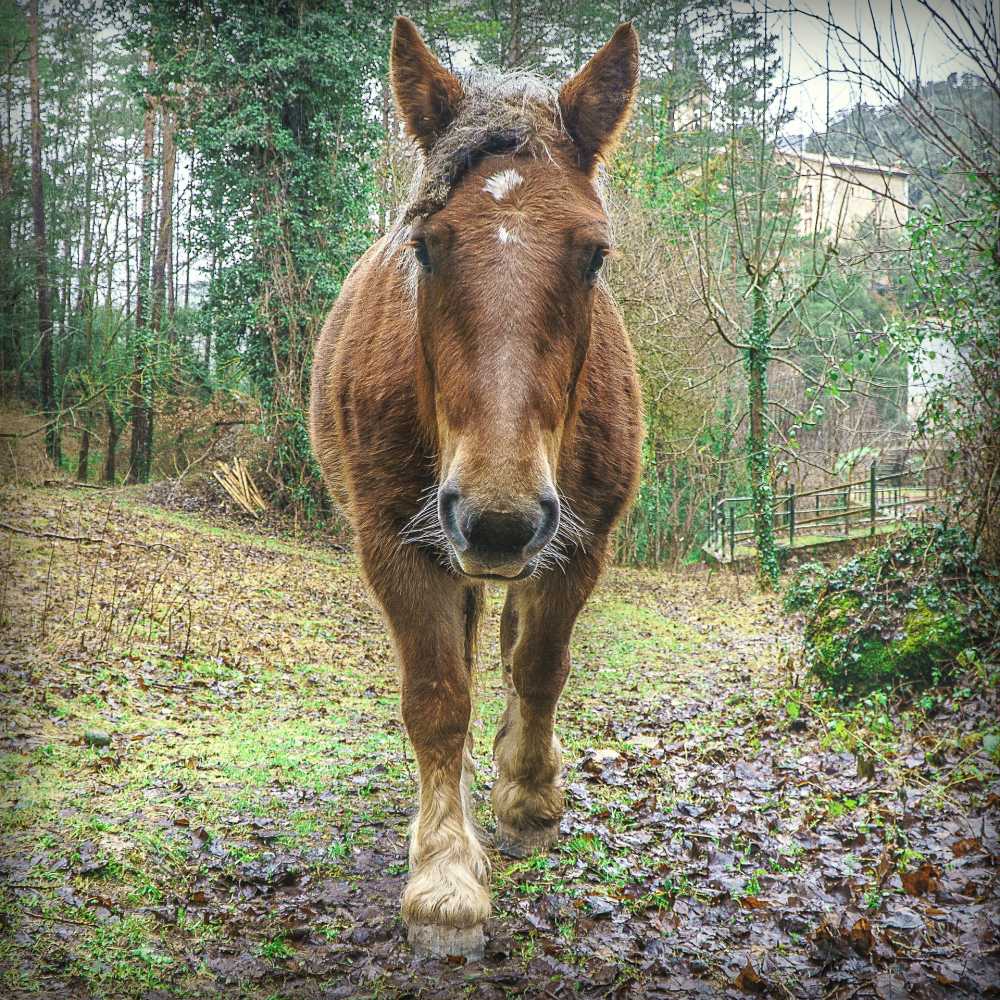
column 206, row 788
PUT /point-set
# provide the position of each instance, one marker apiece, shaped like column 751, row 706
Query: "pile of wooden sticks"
column 236, row 481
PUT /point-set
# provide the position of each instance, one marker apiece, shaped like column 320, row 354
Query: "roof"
column 840, row 161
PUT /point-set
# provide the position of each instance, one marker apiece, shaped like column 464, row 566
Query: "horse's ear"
column 597, row 102
column 426, row 93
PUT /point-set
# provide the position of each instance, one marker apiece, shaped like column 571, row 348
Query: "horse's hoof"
column 439, row 941
column 523, row 843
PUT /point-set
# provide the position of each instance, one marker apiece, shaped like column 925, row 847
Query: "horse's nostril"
column 500, row 533
column 448, row 511
column 549, row 504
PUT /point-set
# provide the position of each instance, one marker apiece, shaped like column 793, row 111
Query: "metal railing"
column 831, row 513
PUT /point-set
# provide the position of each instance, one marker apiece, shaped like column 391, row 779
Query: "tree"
column 141, row 449
column 272, row 100
column 756, row 261
column 46, row 369
column 14, row 277
column 755, row 237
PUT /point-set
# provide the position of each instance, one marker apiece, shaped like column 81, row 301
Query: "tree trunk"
column 10, row 339
column 208, row 326
column 758, row 443
column 83, row 461
column 140, row 448
column 114, row 432
column 163, row 242
column 515, row 50
column 126, row 207
column 187, row 243
column 385, row 208
column 172, row 281
column 47, row 371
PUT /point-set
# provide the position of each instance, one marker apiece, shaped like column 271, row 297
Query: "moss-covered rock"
column 850, row 655
column 899, row 614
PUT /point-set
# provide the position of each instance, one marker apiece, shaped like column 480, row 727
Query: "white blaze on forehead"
column 500, row 185
column 504, row 235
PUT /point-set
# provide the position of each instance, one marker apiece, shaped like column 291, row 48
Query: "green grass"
column 284, row 744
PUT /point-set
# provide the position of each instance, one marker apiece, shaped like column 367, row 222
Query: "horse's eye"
column 420, row 252
column 596, row 262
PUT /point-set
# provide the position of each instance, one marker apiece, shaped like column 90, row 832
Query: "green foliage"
column 804, row 587
column 954, row 317
column 901, row 614
column 274, row 108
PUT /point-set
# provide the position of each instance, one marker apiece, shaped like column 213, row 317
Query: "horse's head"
column 507, row 240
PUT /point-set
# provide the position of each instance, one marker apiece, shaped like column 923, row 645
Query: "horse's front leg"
column 446, row 901
column 535, row 631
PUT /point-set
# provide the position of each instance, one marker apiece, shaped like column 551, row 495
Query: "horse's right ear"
column 426, row 94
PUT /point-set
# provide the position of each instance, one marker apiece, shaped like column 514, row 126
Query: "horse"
column 476, row 413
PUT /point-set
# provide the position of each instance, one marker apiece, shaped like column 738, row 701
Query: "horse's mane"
column 499, row 112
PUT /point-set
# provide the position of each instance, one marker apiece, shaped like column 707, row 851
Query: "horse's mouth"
column 487, row 575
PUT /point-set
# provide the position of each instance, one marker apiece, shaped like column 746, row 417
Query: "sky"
column 807, row 45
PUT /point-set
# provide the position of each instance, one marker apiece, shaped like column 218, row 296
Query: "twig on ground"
column 74, row 484
column 88, row 540
column 81, row 539
column 52, row 916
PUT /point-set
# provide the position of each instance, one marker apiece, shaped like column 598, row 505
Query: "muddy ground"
column 206, row 789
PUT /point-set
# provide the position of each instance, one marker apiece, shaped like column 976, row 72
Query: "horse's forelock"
column 499, row 112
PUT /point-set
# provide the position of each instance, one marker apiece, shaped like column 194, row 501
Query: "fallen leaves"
column 749, row 980
column 965, row 846
column 710, row 845
column 921, row 881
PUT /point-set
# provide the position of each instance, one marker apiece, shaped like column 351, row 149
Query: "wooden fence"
column 832, row 513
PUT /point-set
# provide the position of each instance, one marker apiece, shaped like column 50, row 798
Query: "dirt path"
column 207, row 788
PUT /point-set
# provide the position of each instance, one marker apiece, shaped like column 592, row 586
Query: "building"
column 839, row 195
column 935, row 367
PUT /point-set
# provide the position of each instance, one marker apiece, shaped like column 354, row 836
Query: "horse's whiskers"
column 572, row 533
column 424, row 528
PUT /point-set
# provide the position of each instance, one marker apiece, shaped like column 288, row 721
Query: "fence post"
column 791, row 515
column 847, row 513
column 732, row 532
column 871, row 499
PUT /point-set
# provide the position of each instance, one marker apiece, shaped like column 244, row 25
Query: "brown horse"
column 476, row 412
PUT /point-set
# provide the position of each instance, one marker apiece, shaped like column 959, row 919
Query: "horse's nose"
column 498, row 536
column 499, row 533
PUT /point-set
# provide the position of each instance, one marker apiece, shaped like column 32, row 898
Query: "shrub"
column 805, row 585
column 899, row 614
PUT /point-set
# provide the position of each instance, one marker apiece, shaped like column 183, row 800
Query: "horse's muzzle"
column 496, row 543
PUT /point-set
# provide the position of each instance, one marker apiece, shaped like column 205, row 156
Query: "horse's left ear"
column 597, row 102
